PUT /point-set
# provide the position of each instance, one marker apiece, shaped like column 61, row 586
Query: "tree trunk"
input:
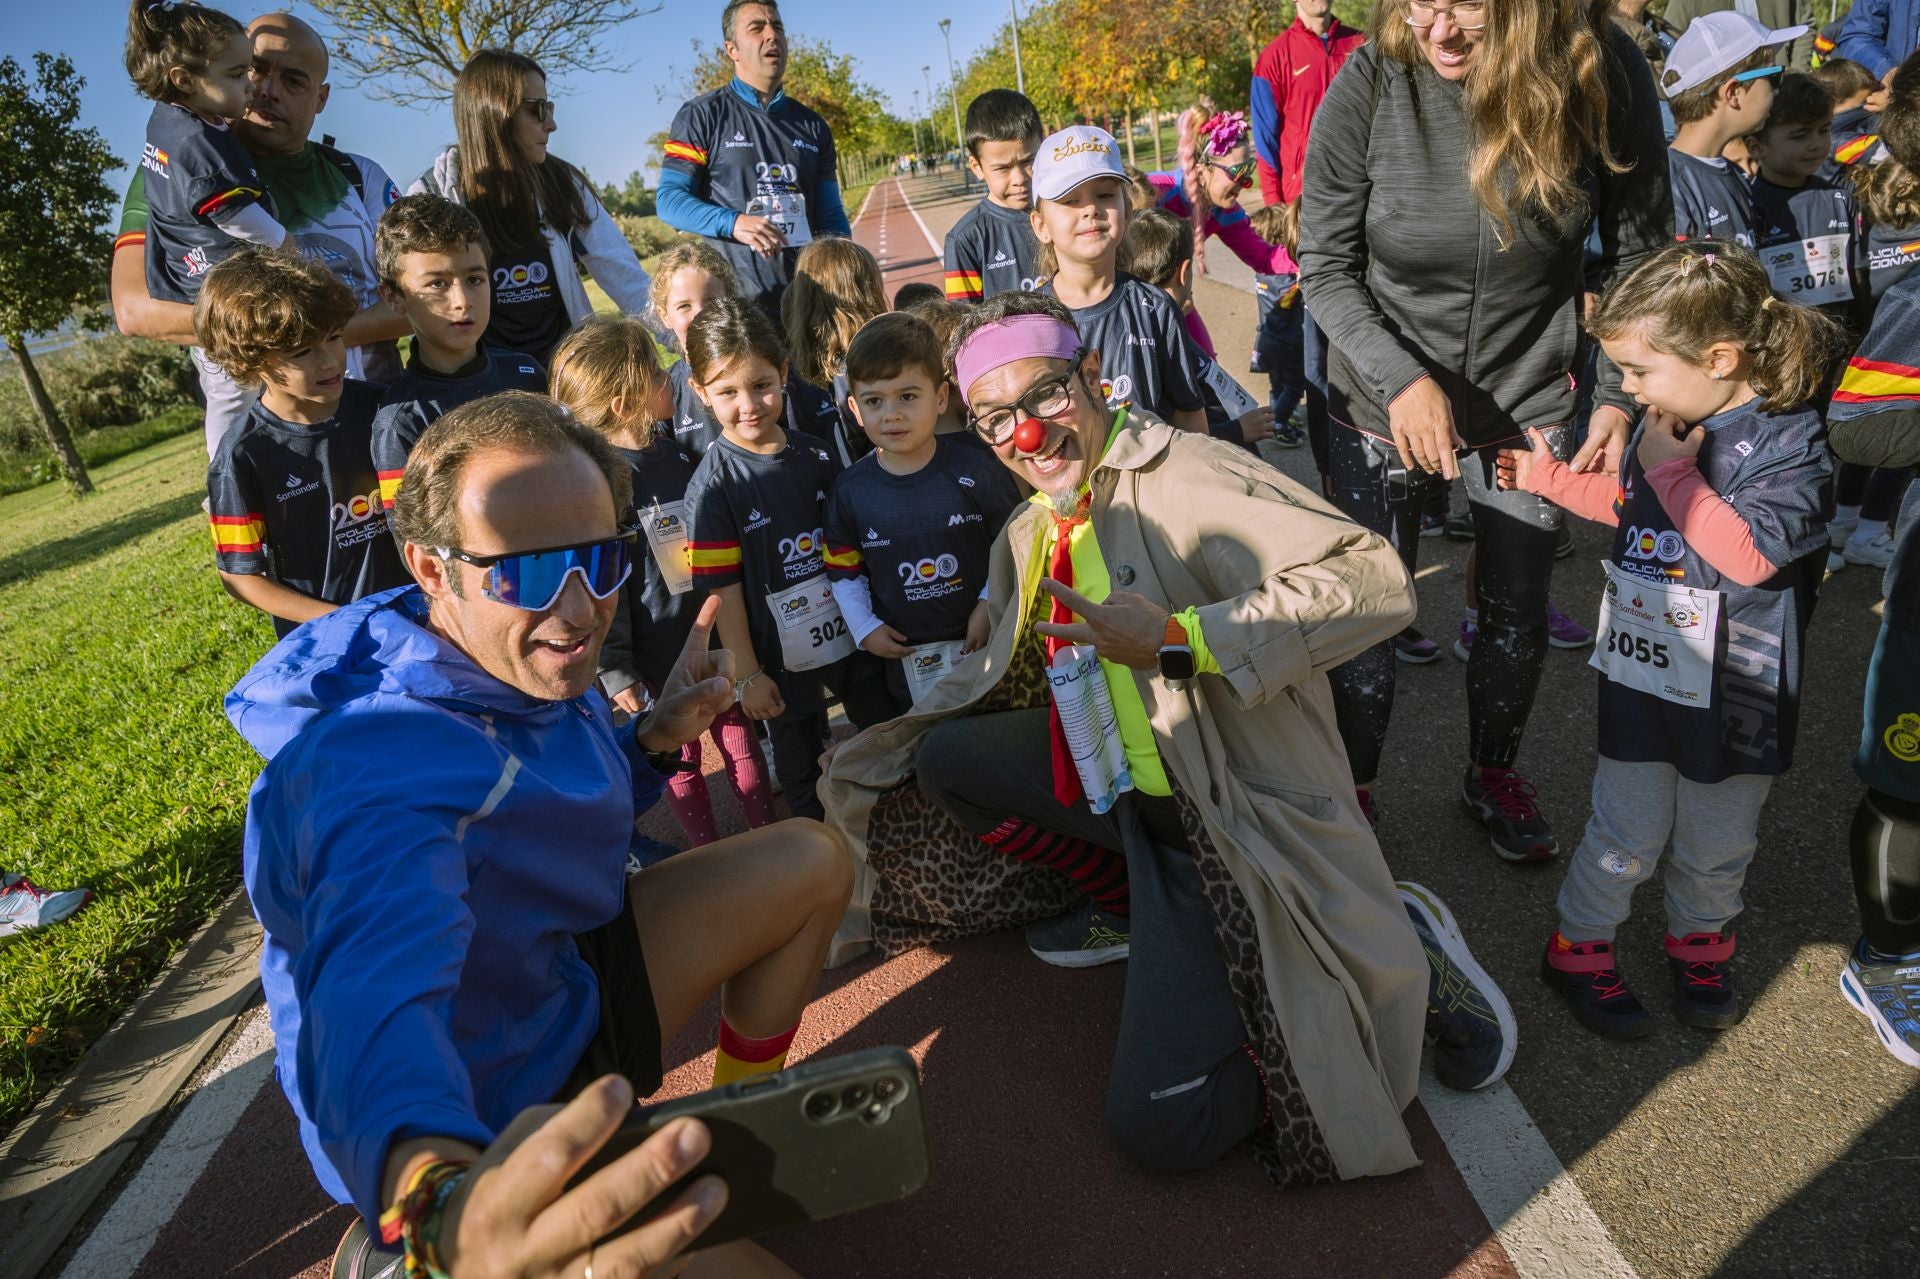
column 1159, row 160
column 1127, row 120
column 56, row 431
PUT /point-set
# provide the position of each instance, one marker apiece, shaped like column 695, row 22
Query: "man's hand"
column 1127, row 630
column 1666, row 438
column 758, row 234
column 884, row 641
column 978, row 628
column 1422, row 424
column 699, row 687
column 1608, row 430
column 514, row 1216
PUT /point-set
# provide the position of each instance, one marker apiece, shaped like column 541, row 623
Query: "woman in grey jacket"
column 1451, row 178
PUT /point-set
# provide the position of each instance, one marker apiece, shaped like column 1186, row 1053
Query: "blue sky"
column 604, row 118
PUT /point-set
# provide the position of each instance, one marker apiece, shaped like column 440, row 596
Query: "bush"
column 108, row 381
column 649, row 236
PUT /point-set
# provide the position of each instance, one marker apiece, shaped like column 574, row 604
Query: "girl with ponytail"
column 1721, row 503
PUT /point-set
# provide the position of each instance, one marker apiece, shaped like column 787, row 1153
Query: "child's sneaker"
column 1875, row 551
column 1463, row 642
column 1703, row 995
column 1564, row 632
column 25, row 906
column 1839, row 533
column 1459, row 525
column 1583, row 974
column 1290, row 434
column 1885, row 989
column 1412, row 647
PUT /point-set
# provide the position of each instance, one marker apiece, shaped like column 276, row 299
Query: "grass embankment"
column 20, row 471
column 118, row 771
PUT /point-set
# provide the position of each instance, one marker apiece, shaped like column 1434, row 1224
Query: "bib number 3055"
column 1658, row 638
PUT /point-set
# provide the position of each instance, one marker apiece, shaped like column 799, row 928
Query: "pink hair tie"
column 1018, row 337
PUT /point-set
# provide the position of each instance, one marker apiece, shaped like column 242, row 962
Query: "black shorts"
column 627, row 1041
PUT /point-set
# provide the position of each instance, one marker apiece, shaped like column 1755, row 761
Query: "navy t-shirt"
column 760, row 520
column 734, row 153
column 1774, row 469
column 1146, row 358
column 809, row 410
column 1711, row 200
column 301, row 504
column 653, row 622
column 419, row 397
column 921, row 540
column 1891, row 252
column 528, row 312
column 199, row 176
column 1784, row 218
column 991, row 250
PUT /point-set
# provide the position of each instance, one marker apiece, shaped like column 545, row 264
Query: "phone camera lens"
column 885, row 1088
column 854, row 1097
column 876, row 1112
column 821, row 1105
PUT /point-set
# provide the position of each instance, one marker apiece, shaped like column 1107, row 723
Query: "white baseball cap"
column 1714, row 44
column 1073, row 157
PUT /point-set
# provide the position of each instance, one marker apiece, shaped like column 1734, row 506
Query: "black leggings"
column 1183, row 1089
column 1514, row 541
column 1886, row 872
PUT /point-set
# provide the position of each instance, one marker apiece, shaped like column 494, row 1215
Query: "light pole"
column 1019, row 71
column 952, row 88
column 916, row 122
column 926, row 78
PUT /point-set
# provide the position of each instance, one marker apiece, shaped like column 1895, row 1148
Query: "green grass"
column 118, row 771
column 22, row 471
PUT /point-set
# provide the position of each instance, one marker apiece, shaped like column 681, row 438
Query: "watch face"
column 1177, row 663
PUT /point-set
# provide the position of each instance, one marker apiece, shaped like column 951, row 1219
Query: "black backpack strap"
column 345, row 163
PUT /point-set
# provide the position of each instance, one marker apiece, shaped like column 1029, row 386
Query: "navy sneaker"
column 1081, row 938
column 1414, row 648
column 1469, row 1022
column 1506, row 804
column 1885, row 989
column 1703, row 993
column 1583, row 974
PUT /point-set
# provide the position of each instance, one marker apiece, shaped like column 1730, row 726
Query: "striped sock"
column 740, row 1057
column 1098, row 872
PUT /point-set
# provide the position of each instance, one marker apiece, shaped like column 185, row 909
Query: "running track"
column 890, row 229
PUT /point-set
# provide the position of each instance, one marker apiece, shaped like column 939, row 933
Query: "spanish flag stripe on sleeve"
column 842, row 557
column 389, row 488
column 1867, row 381
column 1848, row 152
column 127, row 239
column 238, row 534
column 238, row 195
column 677, row 150
column 713, row 557
column 963, row 286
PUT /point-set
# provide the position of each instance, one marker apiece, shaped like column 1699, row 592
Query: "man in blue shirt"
column 1880, row 35
column 748, row 167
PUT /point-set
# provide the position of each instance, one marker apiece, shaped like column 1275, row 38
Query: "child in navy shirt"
column 1719, row 80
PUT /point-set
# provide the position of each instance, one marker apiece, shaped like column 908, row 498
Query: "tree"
column 632, row 199
column 54, row 199
column 409, row 51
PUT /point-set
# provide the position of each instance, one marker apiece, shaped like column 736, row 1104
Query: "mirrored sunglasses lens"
column 534, row 582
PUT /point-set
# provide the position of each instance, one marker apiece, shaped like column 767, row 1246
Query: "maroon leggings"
column 746, row 773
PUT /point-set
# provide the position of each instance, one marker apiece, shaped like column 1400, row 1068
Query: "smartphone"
column 823, row 1138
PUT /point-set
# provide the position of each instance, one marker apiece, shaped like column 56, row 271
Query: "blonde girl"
column 836, row 289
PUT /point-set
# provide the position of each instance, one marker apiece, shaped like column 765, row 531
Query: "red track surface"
column 887, row 228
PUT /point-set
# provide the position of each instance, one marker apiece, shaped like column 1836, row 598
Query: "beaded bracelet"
column 415, row 1220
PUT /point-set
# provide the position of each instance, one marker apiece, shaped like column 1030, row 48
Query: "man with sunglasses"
column 438, row 849
column 1272, row 975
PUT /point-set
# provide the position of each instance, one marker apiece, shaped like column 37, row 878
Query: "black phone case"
column 804, row 1144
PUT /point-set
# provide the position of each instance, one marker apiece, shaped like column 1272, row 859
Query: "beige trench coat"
column 1286, row 589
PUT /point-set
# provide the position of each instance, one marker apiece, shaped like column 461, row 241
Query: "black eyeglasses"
column 1048, row 399
column 542, row 108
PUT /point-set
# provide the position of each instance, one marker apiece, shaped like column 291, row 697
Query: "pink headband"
column 1018, row 337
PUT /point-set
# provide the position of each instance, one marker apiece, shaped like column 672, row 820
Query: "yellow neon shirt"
column 1090, row 579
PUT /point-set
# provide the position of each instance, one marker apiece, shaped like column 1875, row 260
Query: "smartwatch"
column 1177, row 664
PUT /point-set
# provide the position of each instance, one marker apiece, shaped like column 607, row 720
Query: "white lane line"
column 120, row 1241
column 1545, row 1223
column 933, row 245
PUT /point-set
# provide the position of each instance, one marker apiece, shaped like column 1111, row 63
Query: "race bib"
column 788, row 213
column 666, row 527
column 1657, row 638
column 812, row 632
column 1812, row 272
column 1233, row 397
column 926, row 664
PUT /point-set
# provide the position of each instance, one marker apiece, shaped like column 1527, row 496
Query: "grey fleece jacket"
column 1403, row 271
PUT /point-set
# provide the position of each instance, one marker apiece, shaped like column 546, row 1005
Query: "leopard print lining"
column 1290, row 1146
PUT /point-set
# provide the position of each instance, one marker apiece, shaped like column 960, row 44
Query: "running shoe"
column 1469, row 1022
column 1703, row 993
column 1839, row 533
column 1463, row 642
column 1507, row 805
column 1414, row 648
column 1885, row 989
column 25, row 906
column 1583, row 974
column 1460, row 525
column 1874, row 552
column 1433, row 524
column 1564, row 632
column 1081, row 938
column 1290, row 434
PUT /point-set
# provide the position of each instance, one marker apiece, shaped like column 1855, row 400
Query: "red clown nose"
column 1029, row 435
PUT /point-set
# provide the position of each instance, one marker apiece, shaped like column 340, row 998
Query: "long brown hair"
column 837, row 287
column 1689, row 296
column 605, row 358
column 1537, row 93
column 161, row 37
column 1887, row 192
column 507, row 192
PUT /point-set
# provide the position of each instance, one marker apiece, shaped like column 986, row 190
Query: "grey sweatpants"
column 1715, row 829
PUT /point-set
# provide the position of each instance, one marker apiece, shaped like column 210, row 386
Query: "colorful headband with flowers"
column 1225, row 131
